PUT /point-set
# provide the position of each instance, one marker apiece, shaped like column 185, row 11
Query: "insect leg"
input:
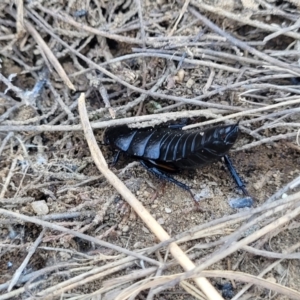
column 235, row 175
column 183, row 123
column 116, row 158
column 162, row 175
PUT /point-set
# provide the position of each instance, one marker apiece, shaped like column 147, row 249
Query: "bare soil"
column 53, row 164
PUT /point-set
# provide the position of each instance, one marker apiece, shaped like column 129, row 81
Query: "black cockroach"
column 164, row 150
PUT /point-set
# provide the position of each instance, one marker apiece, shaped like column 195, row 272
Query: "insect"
column 165, row 150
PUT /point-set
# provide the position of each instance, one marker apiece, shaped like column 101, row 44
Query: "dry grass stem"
column 78, row 234
column 19, row 271
column 151, row 223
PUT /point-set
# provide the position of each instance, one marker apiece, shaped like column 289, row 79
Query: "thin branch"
column 243, row 45
column 244, row 20
column 31, row 251
column 57, row 66
column 130, row 120
column 77, row 234
column 245, row 113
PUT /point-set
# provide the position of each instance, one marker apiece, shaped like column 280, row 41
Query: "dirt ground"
column 111, row 51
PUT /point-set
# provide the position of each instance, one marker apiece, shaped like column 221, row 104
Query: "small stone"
column 271, row 279
column 161, row 221
column 125, row 228
column 241, row 202
column 280, row 269
column 64, row 256
column 138, row 245
column 40, row 207
column 154, row 206
column 168, row 210
column 160, row 2
column 284, row 195
column 146, row 194
column 256, row 186
column 12, row 233
column 180, row 75
column 190, row 83
column 145, row 229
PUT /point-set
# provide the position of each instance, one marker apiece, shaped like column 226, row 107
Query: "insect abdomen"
column 183, row 149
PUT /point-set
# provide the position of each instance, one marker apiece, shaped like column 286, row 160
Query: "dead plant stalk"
column 152, row 224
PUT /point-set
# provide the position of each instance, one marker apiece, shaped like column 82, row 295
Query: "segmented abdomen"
column 184, row 149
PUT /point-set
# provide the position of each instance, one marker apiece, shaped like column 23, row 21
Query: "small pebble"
column 280, row 269
column 41, row 160
column 161, row 221
column 80, row 13
column 241, row 202
column 64, row 256
column 145, row 229
column 190, row 83
column 138, row 245
column 168, row 210
column 125, row 228
column 284, row 195
column 271, row 279
column 180, row 75
column 204, row 193
column 40, row 207
column 146, row 194
column 12, row 233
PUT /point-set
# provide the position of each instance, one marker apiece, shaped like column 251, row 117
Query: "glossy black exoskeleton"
column 163, row 150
